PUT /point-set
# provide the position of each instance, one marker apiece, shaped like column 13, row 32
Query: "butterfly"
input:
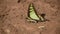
column 33, row 16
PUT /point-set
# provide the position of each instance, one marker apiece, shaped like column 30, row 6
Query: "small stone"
column 41, row 27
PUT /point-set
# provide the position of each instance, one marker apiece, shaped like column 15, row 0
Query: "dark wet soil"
column 13, row 15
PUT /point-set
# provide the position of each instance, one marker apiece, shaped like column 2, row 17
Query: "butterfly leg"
column 30, row 20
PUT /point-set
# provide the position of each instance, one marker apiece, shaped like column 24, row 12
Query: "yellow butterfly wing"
column 32, row 13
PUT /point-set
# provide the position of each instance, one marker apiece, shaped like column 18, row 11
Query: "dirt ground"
column 13, row 15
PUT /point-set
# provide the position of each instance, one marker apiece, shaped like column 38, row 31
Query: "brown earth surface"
column 13, row 15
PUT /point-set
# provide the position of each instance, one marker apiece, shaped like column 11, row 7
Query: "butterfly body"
column 34, row 20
